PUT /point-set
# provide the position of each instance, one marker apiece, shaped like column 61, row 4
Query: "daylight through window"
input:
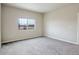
column 24, row 23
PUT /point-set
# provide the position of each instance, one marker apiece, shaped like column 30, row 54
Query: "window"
column 26, row 23
column 31, row 23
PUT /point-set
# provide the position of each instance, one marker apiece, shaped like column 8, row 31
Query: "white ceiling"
column 38, row 7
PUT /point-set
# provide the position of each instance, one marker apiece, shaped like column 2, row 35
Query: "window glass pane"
column 31, row 22
column 22, row 21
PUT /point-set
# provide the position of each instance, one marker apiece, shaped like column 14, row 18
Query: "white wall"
column 0, row 25
column 10, row 30
column 78, row 27
column 61, row 24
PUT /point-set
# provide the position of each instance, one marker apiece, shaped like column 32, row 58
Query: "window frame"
column 26, row 26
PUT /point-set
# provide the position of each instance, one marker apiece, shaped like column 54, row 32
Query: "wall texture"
column 10, row 30
column 62, row 23
column 0, row 25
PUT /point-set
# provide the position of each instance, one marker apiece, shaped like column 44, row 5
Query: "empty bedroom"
column 39, row 29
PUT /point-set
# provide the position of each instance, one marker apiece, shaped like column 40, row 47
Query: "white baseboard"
column 48, row 37
column 62, row 40
column 19, row 39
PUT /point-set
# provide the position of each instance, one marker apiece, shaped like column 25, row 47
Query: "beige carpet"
column 39, row 46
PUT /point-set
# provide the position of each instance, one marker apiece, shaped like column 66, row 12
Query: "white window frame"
column 27, row 27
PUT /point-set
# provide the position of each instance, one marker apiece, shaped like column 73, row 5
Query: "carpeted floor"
column 39, row 46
